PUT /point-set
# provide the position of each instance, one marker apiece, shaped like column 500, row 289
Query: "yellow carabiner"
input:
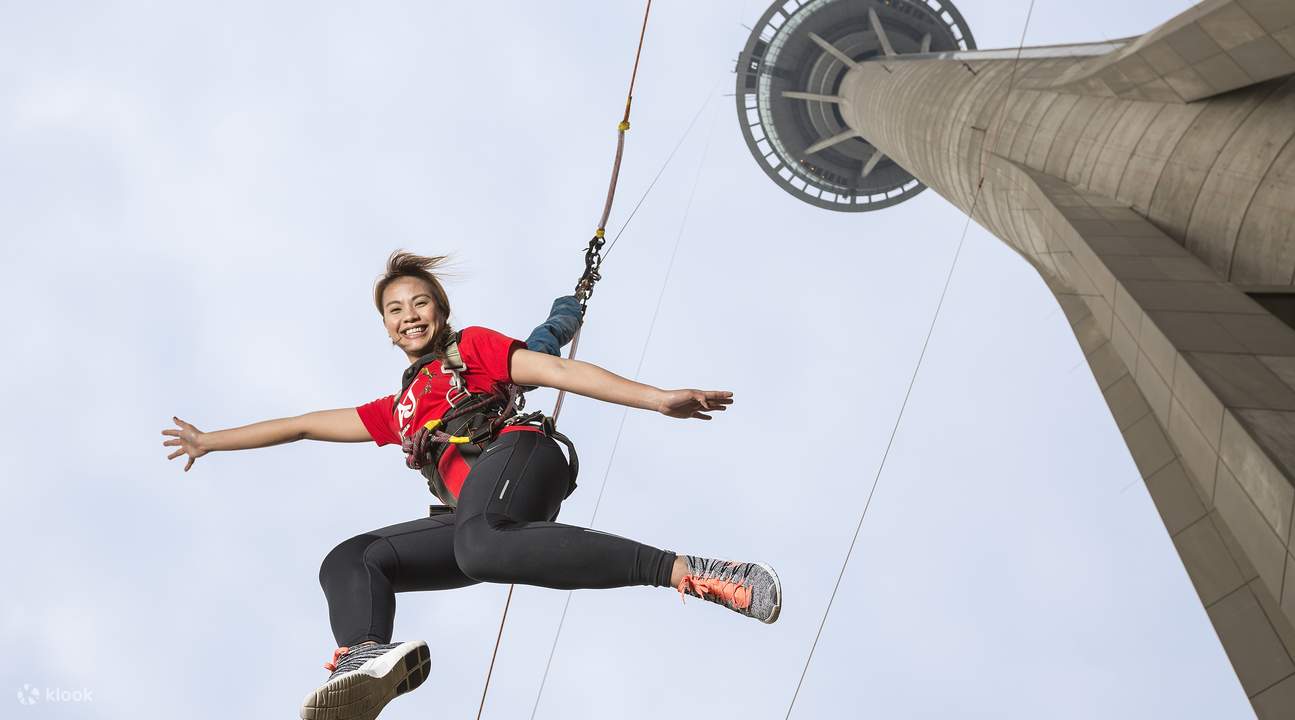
column 459, row 440
column 433, row 424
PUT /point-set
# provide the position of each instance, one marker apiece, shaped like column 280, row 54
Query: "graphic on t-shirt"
column 405, row 411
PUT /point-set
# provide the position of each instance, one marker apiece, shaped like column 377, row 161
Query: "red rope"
column 498, row 637
column 629, row 96
column 624, row 126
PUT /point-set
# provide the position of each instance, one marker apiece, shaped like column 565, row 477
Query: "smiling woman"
column 501, row 475
column 413, row 303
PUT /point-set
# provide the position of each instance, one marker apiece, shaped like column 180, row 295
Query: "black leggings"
column 502, row 532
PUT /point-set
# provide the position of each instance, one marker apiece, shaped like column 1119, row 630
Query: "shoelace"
column 734, row 594
column 337, row 654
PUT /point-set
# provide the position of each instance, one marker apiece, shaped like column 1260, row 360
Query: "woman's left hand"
column 694, row 403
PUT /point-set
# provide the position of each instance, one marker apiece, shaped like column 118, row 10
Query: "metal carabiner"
column 455, row 395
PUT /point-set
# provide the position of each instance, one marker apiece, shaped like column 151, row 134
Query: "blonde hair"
column 406, row 264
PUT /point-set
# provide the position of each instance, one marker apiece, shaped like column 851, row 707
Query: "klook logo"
column 29, row 695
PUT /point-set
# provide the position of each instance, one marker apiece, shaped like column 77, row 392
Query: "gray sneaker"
column 751, row 589
column 365, row 678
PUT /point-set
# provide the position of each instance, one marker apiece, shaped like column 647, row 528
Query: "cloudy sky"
column 195, row 201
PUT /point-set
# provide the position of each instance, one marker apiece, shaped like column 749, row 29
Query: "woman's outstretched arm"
column 582, row 378
column 341, row 425
column 554, row 333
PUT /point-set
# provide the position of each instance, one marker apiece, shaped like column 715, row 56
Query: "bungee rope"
column 687, row 132
column 638, row 370
column 593, row 254
column 584, row 290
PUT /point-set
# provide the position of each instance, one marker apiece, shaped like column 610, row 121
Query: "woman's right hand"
column 691, row 403
column 187, row 440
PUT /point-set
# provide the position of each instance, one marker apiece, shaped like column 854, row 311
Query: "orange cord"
column 622, row 127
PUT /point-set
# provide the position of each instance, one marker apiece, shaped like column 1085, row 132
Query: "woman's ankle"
column 679, row 571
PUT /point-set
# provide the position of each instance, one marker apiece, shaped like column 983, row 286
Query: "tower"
column 1151, row 183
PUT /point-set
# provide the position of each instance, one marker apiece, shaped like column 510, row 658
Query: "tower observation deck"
column 788, row 93
column 1151, row 183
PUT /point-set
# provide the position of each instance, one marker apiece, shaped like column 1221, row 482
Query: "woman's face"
column 410, row 315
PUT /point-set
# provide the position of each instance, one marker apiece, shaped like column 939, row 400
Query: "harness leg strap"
column 573, row 459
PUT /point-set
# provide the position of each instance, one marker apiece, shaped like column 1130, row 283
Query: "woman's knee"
column 348, row 557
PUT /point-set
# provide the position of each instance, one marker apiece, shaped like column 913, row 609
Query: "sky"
column 196, row 199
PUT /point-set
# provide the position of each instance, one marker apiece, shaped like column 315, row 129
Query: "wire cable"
column 911, row 382
column 661, row 171
column 575, row 342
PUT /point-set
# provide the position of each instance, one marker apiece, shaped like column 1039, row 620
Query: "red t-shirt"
column 484, row 351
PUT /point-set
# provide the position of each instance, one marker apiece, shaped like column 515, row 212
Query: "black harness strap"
column 474, row 421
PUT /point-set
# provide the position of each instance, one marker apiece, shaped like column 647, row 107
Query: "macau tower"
column 1151, row 183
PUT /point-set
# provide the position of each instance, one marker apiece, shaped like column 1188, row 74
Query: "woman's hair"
column 406, row 264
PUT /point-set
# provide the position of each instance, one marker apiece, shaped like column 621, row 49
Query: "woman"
column 502, row 480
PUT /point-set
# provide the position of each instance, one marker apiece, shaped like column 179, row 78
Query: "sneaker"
column 751, row 589
column 365, row 678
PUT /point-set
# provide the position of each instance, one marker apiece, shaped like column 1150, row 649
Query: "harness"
column 473, row 422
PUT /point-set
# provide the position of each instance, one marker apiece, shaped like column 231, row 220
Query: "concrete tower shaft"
column 1151, row 182
column 1216, row 175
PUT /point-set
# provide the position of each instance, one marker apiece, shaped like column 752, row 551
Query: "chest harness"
column 473, row 422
